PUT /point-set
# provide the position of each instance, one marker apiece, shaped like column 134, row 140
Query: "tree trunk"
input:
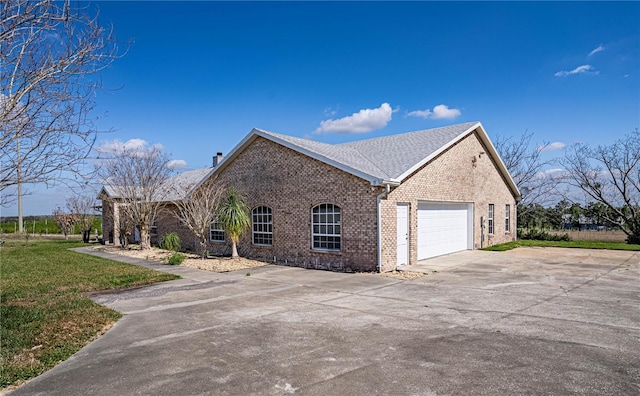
column 203, row 249
column 145, row 239
column 234, row 250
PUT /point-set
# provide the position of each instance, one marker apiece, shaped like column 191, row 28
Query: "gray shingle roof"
column 396, row 154
column 387, row 159
column 340, row 154
column 174, row 188
column 384, row 158
column 179, row 185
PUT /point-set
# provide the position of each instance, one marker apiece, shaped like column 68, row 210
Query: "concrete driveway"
column 529, row 321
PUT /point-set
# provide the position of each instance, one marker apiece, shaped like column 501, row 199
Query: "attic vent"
column 217, row 159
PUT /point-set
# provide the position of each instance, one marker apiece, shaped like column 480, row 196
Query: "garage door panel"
column 442, row 228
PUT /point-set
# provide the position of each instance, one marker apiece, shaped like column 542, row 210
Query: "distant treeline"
column 41, row 225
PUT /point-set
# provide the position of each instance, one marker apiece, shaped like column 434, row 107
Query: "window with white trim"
column 490, row 219
column 326, row 227
column 507, row 218
column 216, row 232
column 153, row 230
column 262, row 226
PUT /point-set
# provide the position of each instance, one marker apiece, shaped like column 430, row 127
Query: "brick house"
column 368, row 205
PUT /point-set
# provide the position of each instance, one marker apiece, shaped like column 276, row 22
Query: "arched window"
column 326, row 227
column 262, row 226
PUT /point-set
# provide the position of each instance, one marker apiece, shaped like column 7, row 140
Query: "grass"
column 45, row 315
column 565, row 244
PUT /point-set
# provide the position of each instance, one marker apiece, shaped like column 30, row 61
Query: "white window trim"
column 507, row 219
column 313, row 234
column 269, row 223
column 211, row 229
column 490, row 223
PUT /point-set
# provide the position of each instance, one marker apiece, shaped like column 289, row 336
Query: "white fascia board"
column 503, row 168
column 103, row 191
column 492, row 152
column 371, row 179
column 437, row 152
column 225, row 159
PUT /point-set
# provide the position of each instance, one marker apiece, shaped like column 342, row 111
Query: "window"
column 154, row 228
column 490, row 219
column 507, row 218
column 325, row 227
column 216, row 233
column 262, row 226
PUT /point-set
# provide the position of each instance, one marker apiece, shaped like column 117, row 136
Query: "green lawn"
column 565, row 244
column 45, row 315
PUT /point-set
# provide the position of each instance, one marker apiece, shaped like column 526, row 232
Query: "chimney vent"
column 217, row 159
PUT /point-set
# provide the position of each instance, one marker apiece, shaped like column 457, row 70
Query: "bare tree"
column 610, row 175
column 124, row 227
column 198, row 210
column 527, row 168
column 82, row 207
column 64, row 220
column 138, row 177
column 50, row 55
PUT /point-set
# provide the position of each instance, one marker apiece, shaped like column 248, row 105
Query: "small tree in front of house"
column 82, row 207
column 64, row 221
column 137, row 174
column 233, row 214
column 198, row 210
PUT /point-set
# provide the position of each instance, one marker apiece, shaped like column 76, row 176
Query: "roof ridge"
column 353, row 150
column 406, row 133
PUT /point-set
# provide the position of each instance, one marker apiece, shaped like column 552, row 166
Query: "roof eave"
column 487, row 142
column 503, row 168
column 439, row 151
column 255, row 132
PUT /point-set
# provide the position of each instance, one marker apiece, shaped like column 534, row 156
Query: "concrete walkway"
column 548, row 321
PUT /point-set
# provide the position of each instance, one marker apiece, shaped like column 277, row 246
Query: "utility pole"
column 19, row 174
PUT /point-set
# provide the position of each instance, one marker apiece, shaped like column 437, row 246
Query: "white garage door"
column 444, row 228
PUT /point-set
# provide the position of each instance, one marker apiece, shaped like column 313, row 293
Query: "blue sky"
column 200, row 75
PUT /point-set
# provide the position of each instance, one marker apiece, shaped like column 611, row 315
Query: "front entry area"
column 444, row 227
column 402, row 216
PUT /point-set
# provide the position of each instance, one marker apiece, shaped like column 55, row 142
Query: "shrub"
column 170, row 241
column 175, row 258
column 541, row 235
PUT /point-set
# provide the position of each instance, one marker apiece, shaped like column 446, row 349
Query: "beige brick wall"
column 291, row 184
column 453, row 177
column 108, row 227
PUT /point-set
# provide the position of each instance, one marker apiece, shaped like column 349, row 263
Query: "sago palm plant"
column 233, row 215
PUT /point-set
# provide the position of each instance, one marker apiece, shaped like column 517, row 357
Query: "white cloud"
column 117, row 147
column 600, row 48
column 420, row 113
column 552, row 146
column 443, row 111
column 584, row 69
column 366, row 120
column 177, row 164
column 329, row 112
column 555, row 174
column 439, row 112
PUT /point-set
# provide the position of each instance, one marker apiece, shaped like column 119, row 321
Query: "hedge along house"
column 368, row 205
